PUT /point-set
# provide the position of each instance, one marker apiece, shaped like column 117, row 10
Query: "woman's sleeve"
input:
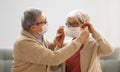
column 104, row 47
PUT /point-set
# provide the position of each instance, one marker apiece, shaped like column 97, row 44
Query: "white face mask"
column 72, row 32
column 44, row 29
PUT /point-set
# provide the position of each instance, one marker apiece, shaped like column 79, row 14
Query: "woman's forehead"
column 71, row 19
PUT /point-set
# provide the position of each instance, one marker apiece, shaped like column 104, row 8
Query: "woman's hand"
column 84, row 34
column 90, row 27
column 59, row 39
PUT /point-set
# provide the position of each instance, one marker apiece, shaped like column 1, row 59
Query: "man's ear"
column 32, row 28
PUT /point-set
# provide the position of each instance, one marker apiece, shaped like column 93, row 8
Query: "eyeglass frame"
column 41, row 23
column 74, row 24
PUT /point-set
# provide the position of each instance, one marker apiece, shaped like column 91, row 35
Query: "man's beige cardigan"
column 94, row 47
column 31, row 56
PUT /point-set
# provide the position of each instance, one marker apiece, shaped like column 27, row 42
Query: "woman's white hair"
column 80, row 15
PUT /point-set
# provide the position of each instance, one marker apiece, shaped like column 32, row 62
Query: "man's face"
column 41, row 20
column 72, row 22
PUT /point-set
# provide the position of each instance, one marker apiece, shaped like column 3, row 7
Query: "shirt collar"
column 39, row 37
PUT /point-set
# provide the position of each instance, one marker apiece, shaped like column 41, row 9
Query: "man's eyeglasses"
column 41, row 23
column 74, row 24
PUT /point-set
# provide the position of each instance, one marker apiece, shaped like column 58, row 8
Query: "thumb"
column 86, row 28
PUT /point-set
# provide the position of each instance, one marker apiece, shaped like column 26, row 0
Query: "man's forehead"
column 41, row 18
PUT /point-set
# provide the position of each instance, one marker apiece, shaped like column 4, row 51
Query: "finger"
column 60, row 30
column 61, row 27
column 86, row 25
column 83, row 26
column 86, row 28
column 58, row 35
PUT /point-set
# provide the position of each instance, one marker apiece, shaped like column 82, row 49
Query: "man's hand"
column 59, row 39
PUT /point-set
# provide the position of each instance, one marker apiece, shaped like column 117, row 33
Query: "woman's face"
column 72, row 22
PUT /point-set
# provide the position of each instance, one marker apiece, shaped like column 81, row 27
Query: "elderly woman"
column 86, row 59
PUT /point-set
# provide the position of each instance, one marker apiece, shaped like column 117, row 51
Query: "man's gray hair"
column 30, row 18
column 80, row 15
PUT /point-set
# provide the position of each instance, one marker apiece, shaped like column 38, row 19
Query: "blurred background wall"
column 104, row 14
